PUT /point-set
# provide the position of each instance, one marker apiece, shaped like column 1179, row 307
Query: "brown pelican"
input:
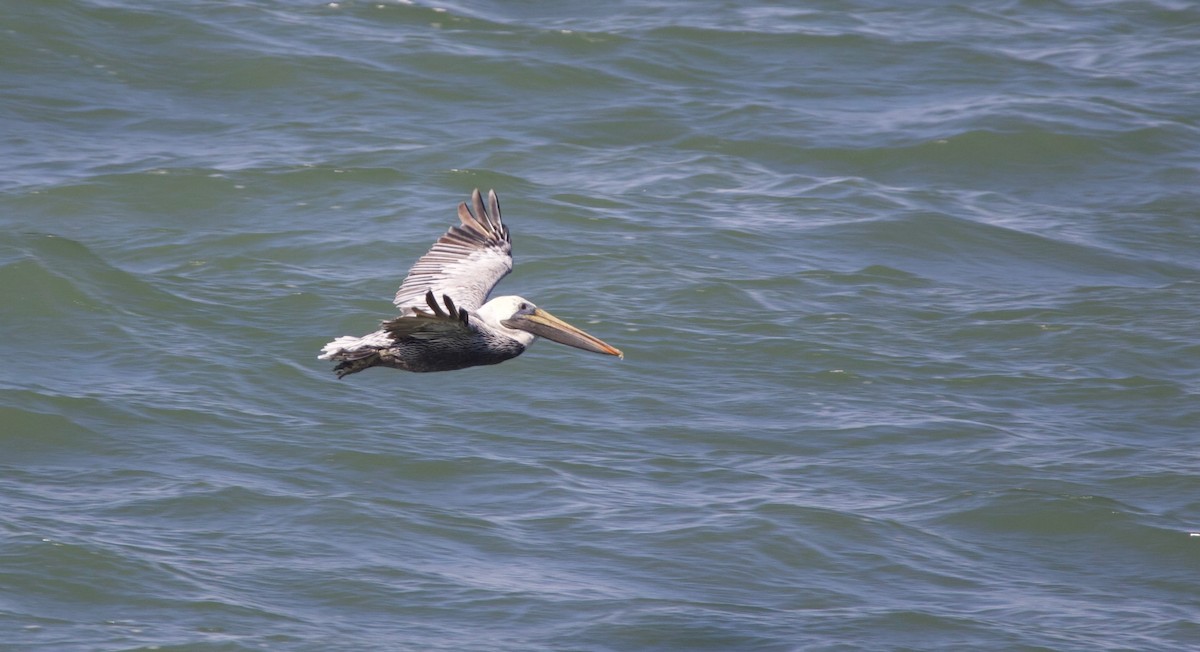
column 444, row 323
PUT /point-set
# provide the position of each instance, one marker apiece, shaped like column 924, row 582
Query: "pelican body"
column 444, row 322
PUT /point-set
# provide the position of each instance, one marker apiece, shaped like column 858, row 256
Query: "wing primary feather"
column 454, row 312
column 433, row 304
column 450, row 312
column 494, row 204
column 470, row 221
column 480, row 212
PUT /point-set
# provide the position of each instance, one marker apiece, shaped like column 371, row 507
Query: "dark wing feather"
column 464, row 264
column 426, row 326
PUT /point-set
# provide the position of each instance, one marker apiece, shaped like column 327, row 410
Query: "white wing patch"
column 465, row 263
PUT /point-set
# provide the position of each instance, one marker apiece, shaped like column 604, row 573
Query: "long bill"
column 544, row 324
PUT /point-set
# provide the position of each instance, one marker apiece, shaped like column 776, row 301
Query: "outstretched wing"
column 465, row 264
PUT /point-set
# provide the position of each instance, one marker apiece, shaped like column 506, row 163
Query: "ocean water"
column 908, row 294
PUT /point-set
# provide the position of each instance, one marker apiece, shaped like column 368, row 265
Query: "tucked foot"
column 354, row 366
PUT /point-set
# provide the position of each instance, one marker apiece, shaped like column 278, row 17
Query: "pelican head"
column 525, row 322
